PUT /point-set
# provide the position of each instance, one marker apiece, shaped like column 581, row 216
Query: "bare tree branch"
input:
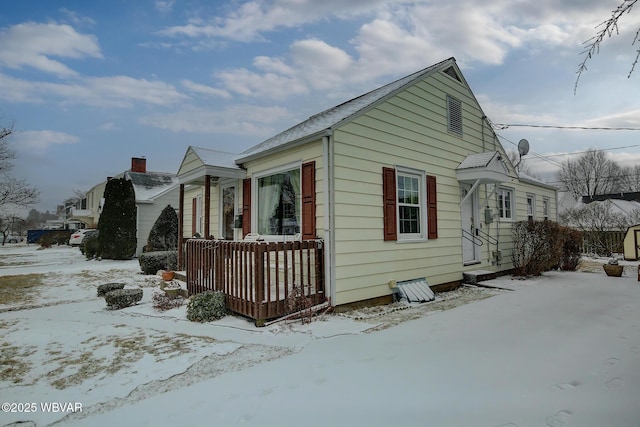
column 607, row 29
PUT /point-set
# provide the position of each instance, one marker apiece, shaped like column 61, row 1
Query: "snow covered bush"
column 151, row 262
column 54, row 238
column 108, row 287
column 537, row 247
column 121, row 298
column 164, row 233
column 117, row 224
column 206, row 307
column 89, row 245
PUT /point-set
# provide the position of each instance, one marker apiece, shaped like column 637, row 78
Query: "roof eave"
column 292, row 144
column 197, row 175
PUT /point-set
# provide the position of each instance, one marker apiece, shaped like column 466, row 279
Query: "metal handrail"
column 486, row 236
column 473, row 239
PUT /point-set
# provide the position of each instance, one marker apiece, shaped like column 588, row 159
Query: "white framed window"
column 411, row 204
column 545, row 208
column 505, row 204
column 531, row 207
column 278, row 201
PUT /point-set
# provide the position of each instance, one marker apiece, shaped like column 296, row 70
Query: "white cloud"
column 77, row 18
column 204, row 89
column 41, row 140
column 33, row 44
column 109, row 126
column 252, row 19
column 267, row 85
column 164, row 6
column 245, row 120
column 113, row 91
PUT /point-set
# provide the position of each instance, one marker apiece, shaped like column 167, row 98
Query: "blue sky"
column 90, row 84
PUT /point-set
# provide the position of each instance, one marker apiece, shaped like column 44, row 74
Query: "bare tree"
column 607, row 29
column 591, row 173
column 521, row 164
column 13, row 191
column 631, row 178
column 597, row 220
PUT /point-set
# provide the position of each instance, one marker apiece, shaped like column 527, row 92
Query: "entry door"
column 468, row 211
column 637, row 242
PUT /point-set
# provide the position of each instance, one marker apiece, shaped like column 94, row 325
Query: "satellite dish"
column 523, row 147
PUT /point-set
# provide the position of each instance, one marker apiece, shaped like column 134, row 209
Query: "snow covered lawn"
column 563, row 349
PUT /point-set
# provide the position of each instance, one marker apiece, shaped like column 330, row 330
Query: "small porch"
column 261, row 280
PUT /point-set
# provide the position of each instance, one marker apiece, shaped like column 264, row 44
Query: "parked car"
column 79, row 235
column 14, row 239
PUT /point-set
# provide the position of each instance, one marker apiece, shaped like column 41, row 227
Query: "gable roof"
column 215, row 158
column 149, row 185
column 486, row 167
column 323, row 123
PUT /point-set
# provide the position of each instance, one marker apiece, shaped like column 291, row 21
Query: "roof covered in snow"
column 149, row 185
column 327, row 120
column 216, row 158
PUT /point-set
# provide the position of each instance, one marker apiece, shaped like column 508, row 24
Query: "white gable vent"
column 454, row 115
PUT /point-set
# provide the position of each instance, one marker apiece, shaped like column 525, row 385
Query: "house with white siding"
column 406, row 182
column 153, row 190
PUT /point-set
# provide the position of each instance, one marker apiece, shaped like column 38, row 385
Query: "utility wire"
column 504, row 126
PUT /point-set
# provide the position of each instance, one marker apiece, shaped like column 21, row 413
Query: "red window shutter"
column 309, row 201
column 194, row 215
column 432, row 208
column 246, row 207
column 389, row 203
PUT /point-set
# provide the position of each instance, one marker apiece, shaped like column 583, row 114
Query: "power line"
column 504, row 126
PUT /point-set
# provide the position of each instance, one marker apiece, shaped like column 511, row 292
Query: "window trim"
column 532, row 197
column 224, row 186
column 421, row 177
column 512, row 210
column 254, row 198
column 545, row 208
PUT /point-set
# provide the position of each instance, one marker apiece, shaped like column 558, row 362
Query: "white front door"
column 468, row 213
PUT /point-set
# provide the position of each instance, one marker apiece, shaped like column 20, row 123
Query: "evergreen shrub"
column 206, row 307
column 108, row 287
column 151, row 262
column 89, row 246
column 164, row 233
column 117, row 225
column 121, row 298
column 54, row 238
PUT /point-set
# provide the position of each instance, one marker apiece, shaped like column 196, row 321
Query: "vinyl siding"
column 408, row 130
column 190, row 162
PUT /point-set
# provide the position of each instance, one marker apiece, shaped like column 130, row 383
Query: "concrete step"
column 476, row 276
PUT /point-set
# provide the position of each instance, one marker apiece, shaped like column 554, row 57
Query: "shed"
column 632, row 243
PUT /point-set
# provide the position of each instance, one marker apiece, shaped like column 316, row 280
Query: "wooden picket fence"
column 259, row 279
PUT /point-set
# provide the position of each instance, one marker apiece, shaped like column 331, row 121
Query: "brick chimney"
column 138, row 164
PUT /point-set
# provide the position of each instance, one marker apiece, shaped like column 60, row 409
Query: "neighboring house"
column 403, row 183
column 605, row 222
column 153, row 190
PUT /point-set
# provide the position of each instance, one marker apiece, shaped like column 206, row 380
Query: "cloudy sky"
column 88, row 85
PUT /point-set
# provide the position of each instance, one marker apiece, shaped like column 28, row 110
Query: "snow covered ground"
column 559, row 350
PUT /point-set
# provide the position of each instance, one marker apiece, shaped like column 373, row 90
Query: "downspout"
column 329, row 264
column 482, row 120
